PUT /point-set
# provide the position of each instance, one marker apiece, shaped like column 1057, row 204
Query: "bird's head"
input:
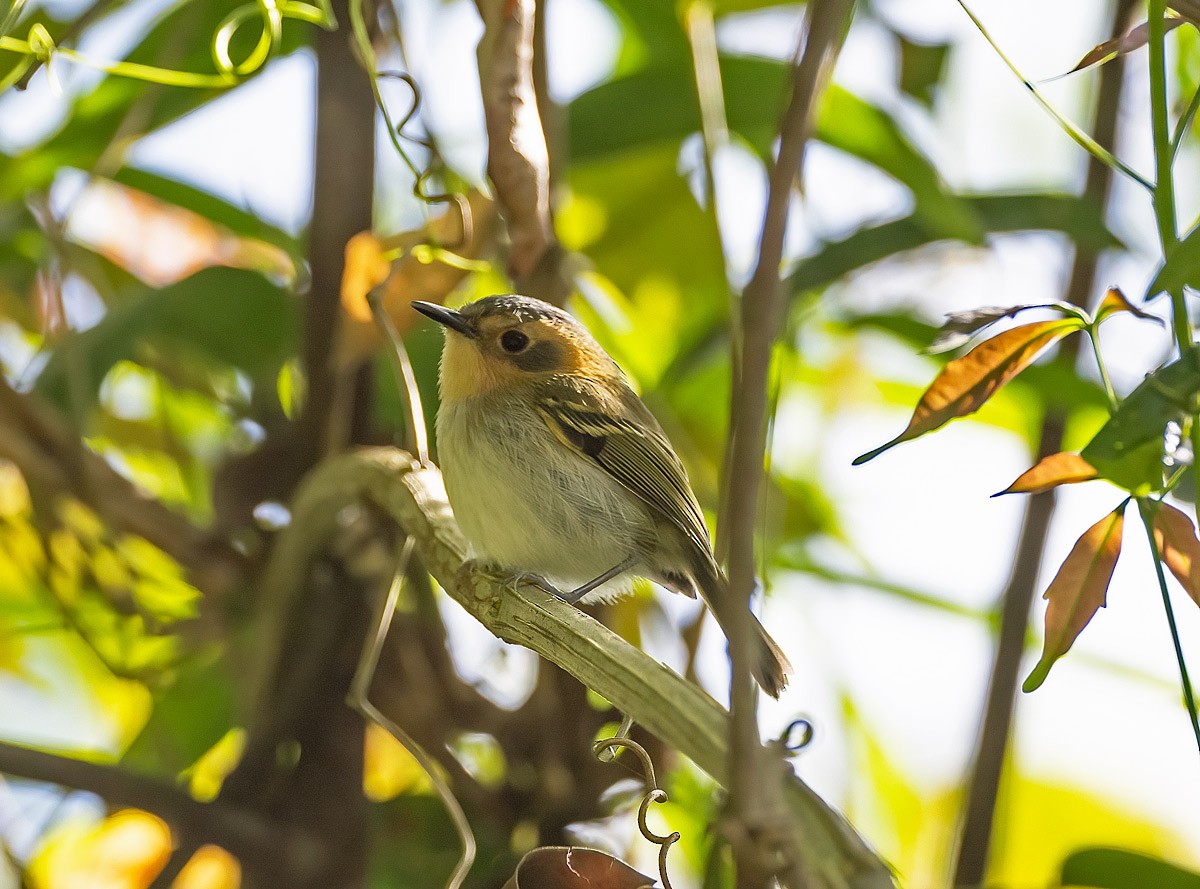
column 504, row 341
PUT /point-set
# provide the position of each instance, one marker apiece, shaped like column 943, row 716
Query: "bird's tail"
column 770, row 665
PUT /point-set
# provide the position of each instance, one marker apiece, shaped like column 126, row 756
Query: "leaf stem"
column 1185, row 124
column 1164, row 187
column 1093, row 332
column 1147, row 508
column 1090, row 145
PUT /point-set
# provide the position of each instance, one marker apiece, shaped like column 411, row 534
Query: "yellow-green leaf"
column 1175, row 536
column 1063, row 468
column 967, row 382
column 1078, row 591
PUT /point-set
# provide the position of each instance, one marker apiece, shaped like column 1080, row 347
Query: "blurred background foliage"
column 152, row 344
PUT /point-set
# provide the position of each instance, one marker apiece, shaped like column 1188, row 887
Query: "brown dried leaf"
column 364, row 268
column 1079, row 590
column 572, row 867
column 1114, row 301
column 411, row 278
column 1058, row 469
column 1175, row 536
column 967, row 382
column 1132, row 40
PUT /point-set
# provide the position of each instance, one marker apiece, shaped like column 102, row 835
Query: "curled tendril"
column 653, row 795
column 38, row 47
column 797, row 735
column 370, row 61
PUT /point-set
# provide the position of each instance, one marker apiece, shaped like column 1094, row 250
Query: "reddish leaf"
column 1050, row 472
column 572, row 867
column 1175, row 536
column 967, row 382
column 1114, row 301
column 1078, row 591
column 1134, row 39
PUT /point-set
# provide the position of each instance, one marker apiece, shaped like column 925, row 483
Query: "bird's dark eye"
column 513, row 341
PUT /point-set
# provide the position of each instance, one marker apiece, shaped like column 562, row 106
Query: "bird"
column 558, row 472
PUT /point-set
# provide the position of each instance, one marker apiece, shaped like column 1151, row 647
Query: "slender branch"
column 1160, row 127
column 983, row 782
column 762, row 319
column 240, row 831
column 669, row 707
column 48, row 453
column 518, row 159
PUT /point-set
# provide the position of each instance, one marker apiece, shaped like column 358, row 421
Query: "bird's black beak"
column 456, row 321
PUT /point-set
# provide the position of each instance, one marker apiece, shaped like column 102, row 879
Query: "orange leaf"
column 364, row 269
column 1058, row 469
column 1078, row 591
column 1180, row 550
column 967, row 382
column 1114, row 301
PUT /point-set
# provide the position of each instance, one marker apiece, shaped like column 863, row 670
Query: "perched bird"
column 555, row 468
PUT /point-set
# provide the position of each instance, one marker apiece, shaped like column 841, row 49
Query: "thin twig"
column 983, row 782
column 755, row 795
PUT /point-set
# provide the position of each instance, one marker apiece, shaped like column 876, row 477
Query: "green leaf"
column 1081, row 220
column 239, row 221
column 1128, row 449
column 180, row 39
column 1181, row 267
column 229, row 316
column 921, row 67
column 1120, row 869
column 658, row 104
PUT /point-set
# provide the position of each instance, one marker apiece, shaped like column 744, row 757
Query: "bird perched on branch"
column 556, row 469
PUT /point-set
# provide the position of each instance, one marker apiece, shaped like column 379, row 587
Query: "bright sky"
column 921, row 513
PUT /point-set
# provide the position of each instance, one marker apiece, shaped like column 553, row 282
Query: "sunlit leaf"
column 389, row 769
column 967, row 382
column 1078, row 590
column 364, row 269
column 124, row 851
column 1175, row 536
column 1123, row 869
column 1128, row 449
column 1132, row 40
column 1058, row 469
column 210, row 868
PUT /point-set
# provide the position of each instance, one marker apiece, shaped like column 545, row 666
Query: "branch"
column 35, row 439
column 755, row 804
column 668, row 706
column 241, row 832
column 983, row 783
column 518, row 160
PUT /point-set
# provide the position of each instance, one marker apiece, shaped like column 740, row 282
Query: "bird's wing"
column 635, row 454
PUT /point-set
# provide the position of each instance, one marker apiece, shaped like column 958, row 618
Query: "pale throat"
column 465, row 372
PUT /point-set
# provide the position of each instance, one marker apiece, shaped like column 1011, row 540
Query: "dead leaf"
column 1079, row 590
column 1114, row 301
column 1132, row 40
column 363, row 269
column 1175, row 536
column 1058, row 469
column 572, row 867
column 959, row 327
column 967, row 382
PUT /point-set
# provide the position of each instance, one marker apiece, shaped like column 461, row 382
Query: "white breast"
column 526, row 503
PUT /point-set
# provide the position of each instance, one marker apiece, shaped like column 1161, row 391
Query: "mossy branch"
column 675, row 710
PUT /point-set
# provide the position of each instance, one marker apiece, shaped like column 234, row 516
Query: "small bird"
column 556, row 469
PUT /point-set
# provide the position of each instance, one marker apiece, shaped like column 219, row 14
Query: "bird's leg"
column 573, row 597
